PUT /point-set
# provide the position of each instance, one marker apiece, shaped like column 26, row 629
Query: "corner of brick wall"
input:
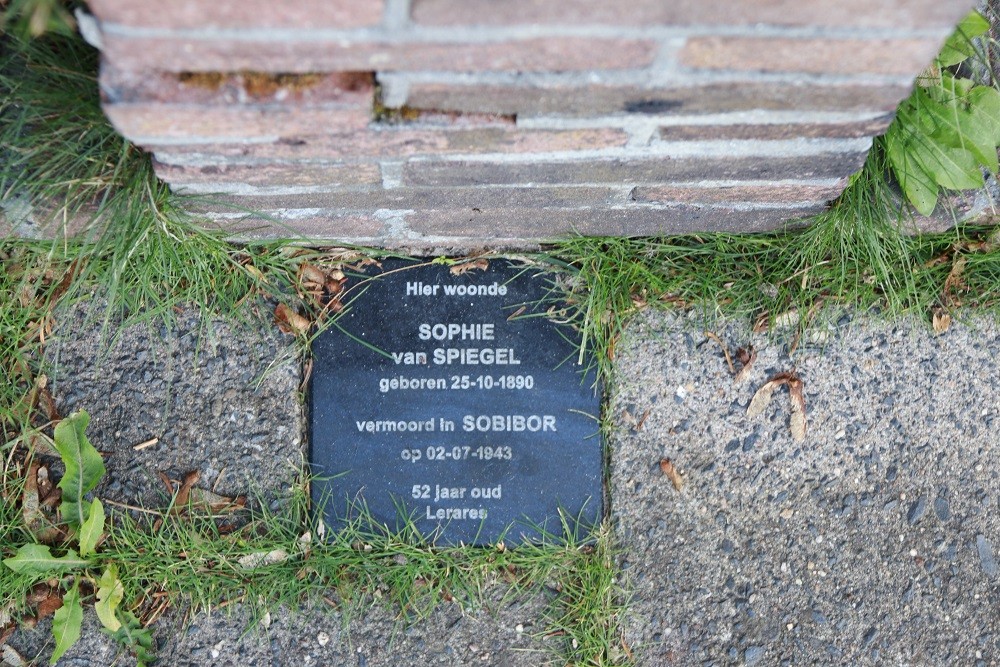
column 470, row 123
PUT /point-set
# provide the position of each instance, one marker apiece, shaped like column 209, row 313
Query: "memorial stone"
column 452, row 396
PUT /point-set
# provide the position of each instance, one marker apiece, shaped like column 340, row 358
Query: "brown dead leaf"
column 762, row 324
column 214, row 502
column 954, row 283
column 480, row 264
column 31, row 509
column 167, row 483
column 48, row 404
column 311, row 275
column 671, row 472
column 289, row 321
column 941, row 321
column 49, row 605
column 38, row 593
column 183, row 497
column 746, row 356
column 798, row 419
column 48, row 494
column 37, row 523
column 334, row 287
column 762, row 398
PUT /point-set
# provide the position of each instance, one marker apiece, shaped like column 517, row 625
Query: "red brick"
column 183, row 14
column 349, row 89
column 641, row 170
column 400, row 142
column 840, row 13
column 157, row 123
column 550, row 54
column 167, row 107
column 707, row 98
column 905, row 57
column 761, row 131
column 272, row 175
column 741, row 194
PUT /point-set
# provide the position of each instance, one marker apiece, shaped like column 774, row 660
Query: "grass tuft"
column 860, row 254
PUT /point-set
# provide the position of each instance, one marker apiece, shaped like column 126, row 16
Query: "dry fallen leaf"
column 38, row 494
column 262, row 558
column 674, row 475
column 786, row 319
column 762, row 398
column 184, row 492
column 480, row 264
column 48, row 606
column 798, row 420
column 289, row 321
column 215, row 503
column 941, row 321
column 954, row 282
column 311, row 274
column 10, row 657
column 746, row 357
column 30, row 505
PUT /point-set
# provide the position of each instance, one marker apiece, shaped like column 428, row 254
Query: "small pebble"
column 917, row 510
column 323, row 639
column 986, row 557
column 753, row 655
column 941, row 508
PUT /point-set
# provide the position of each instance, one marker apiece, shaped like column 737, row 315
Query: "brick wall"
column 467, row 123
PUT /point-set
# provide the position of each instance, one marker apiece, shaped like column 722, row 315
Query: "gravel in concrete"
column 224, row 400
column 869, row 543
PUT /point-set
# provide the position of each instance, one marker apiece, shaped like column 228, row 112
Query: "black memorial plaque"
column 455, row 398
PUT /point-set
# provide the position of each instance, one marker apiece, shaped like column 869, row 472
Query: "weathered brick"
column 150, row 107
column 400, row 142
column 839, row 13
column 349, row 89
column 581, row 101
column 509, row 227
column 772, row 132
column 549, row 54
column 904, row 57
column 363, row 228
column 460, row 199
column 159, row 123
column 272, row 175
column 624, row 171
column 738, row 194
column 541, row 224
column 182, row 14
